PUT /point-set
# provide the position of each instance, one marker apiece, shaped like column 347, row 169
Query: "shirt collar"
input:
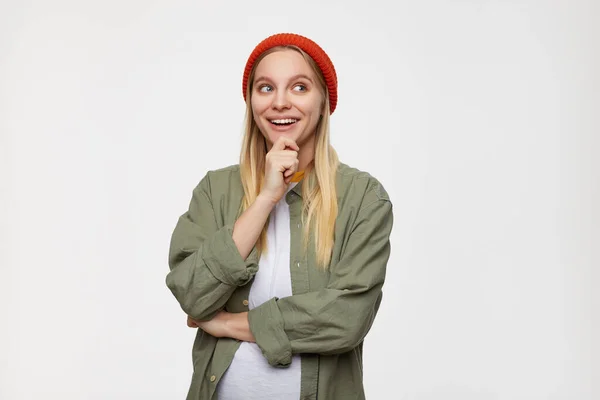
column 298, row 177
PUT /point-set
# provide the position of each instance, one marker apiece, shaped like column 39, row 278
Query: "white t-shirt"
column 250, row 377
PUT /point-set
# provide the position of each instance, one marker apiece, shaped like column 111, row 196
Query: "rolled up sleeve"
column 224, row 261
column 205, row 264
column 271, row 337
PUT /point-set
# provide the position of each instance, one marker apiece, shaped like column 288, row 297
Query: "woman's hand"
column 225, row 324
column 281, row 165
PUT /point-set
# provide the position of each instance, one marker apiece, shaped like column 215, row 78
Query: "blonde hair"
column 319, row 194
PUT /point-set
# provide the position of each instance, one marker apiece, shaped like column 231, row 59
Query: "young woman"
column 280, row 260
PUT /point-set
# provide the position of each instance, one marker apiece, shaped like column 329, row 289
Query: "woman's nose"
column 281, row 100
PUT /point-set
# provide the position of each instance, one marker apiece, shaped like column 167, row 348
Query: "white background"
column 481, row 118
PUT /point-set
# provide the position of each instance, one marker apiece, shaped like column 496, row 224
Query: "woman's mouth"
column 283, row 124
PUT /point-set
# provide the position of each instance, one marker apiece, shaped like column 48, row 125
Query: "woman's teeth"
column 283, row 121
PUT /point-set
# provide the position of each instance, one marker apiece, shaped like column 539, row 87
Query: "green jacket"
column 330, row 312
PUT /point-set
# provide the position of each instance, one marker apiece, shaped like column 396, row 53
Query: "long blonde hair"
column 319, row 194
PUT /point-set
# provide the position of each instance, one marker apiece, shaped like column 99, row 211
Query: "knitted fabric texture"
column 310, row 47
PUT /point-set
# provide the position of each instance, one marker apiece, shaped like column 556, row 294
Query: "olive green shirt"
column 330, row 312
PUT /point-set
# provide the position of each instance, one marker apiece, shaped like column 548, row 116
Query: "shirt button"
column 213, row 378
column 245, row 302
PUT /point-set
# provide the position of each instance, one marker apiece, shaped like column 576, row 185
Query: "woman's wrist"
column 266, row 200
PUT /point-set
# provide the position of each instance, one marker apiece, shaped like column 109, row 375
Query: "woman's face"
column 285, row 99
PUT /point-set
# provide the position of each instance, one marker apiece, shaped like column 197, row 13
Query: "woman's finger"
column 283, row 142
column 191, row 323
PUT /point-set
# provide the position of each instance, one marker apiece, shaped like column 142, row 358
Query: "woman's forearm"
column 238, row 327
column 226, row 324
column 249, row 225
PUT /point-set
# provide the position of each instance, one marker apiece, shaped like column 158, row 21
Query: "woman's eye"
column 265, row 88
column 300, row 88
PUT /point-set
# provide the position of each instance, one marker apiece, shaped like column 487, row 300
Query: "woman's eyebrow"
column 293, row 78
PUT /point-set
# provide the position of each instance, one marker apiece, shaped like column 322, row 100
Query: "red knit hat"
column 310, row 47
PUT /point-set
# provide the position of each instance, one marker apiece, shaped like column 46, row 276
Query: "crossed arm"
column 226, row 324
